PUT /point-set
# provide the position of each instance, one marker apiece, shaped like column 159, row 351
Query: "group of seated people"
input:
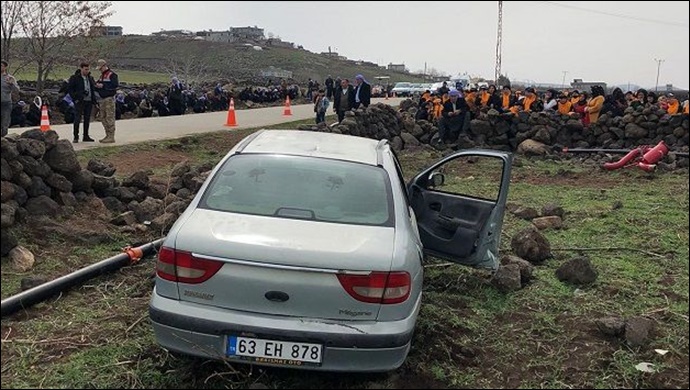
column 452, row 109
column 588, row 105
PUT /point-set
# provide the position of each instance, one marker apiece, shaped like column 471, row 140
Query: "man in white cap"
column 106, row 86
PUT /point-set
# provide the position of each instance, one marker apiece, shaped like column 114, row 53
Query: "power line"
column 617, row 15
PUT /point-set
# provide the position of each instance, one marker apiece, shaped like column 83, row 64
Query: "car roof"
column 315, row 144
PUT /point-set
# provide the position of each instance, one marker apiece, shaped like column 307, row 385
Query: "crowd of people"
column 452, row 109
column 449, row 108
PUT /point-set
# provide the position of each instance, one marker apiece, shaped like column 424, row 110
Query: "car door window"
column 459, row 203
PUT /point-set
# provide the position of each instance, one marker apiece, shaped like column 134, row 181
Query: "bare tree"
column 50, row 25
column 11, row 11
column 189, row 68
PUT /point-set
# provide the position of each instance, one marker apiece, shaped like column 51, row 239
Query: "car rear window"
column 300, row 187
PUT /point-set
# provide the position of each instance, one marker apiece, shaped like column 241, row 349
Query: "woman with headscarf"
column 595, row 103
column 615, row 104
column 175, row 98
column 550, row 102
column 640, row 99
column 580, row 107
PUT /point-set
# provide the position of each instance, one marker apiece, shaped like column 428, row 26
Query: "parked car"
column 305, row 249
column 402, row 89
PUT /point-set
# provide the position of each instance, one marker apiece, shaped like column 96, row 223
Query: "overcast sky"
column 615, row 42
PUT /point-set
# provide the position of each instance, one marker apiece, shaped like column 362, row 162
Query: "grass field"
column 127, row 76
column 468, row 334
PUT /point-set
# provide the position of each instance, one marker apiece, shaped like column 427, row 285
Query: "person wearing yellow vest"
column 507, row 99
column 595, row 103
column 564, row 105
column 673, row 104
column 484, row 96
column 530, row 98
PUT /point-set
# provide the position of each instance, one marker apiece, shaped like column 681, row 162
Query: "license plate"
column 275, row 352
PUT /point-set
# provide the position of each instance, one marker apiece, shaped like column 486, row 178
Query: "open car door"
column 459, row 203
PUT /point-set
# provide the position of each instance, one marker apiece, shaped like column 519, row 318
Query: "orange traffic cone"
column 45, row 122
column 287, row 111
column 231, row 121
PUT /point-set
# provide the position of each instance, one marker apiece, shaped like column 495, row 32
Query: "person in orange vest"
column 673, row 104
column 595, row 103
column 686, row 106
column 471, row 98
column 529, row 100
column 574, row 97
column 484, row 96
column 564, row 105
column 507, row 99
column 437, row 108
column 580, row 108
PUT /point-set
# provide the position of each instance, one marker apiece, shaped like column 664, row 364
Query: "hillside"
column 231, row 61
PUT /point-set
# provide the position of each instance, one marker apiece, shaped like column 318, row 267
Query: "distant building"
column 174, row 33
column 247, row 33
column 275, row 72
column 277, row 42
column 586, row 85
column 106, row 31
column 397, row 67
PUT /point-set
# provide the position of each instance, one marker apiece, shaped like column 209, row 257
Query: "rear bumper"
column 363, row 346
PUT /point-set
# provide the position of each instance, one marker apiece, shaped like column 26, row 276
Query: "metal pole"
column 42, row 292
column 565, row 72
column 658, row 69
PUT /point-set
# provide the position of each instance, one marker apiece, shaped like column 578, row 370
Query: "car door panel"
column 455, row 226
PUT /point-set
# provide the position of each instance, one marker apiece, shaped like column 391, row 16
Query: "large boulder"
column 7, row 215
column 59, row 182
column 21, row 259
column 139, row 179
column 38, row 188
column 507, row 278
column 8, row 149
column 526, row 268
column 42, row 205
column 82, row 181
column 548, row 222
column 7, row 242
column 634, row 131
column 147, row 210
column 611, row 325
column 638, row 330
column 531, row 245
column 180, row 168
column 62, row 158
column 577, row 271
column 99, row 167
column 7, row 191
column 5, row 170
column 34, row 167
column 530, row 147
column 409, row 139
column 31, row 147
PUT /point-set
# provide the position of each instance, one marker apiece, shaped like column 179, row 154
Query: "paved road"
column 146, row 129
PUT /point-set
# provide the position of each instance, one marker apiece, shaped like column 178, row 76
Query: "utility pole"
column 499, row 38
column 658, row 69
column 565, row 72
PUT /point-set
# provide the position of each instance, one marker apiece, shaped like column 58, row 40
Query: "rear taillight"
column 183, row 267
column 377, row 287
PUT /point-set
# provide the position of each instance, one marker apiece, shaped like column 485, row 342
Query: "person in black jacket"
column 329, row 87
column 82, row 87
column 362, row 92
column 452, row 117
column 344, row 99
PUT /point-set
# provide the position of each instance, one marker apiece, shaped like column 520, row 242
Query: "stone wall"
column 508, row 131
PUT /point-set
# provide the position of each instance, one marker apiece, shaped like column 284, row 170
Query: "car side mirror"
column 437, row 179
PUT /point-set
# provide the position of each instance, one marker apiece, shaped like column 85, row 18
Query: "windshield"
column 303, row 188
